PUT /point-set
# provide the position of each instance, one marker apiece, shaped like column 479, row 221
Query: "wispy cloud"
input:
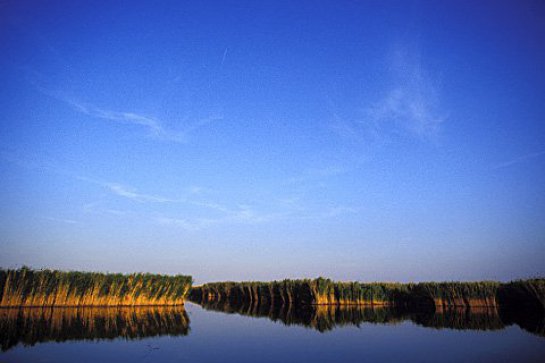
column 133, row 194
column 244, row 214
column 291, row 208
column 211, row 205
column 98, row 207
column 155, row 127
column 338, row 211
column 519, row 160
column 223, row 58
column 201, row 123
column 238, row 214
column 412, row 103
column 189, row 225
column 229, row 214
column 197, row 210
column 313, row 174
column 351, row 130
column 241, row 214
column 62, row 220
column 191, row 196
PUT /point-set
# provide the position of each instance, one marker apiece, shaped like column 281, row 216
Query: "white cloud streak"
column 519, row 160
column 338, row 211
column 242, row 215
column 412, row 102
column 314, row 174
column 155, row 127
column 131, row 193
column 62, row 220
column 223, row 58
column 409, row 104
column 215, row 213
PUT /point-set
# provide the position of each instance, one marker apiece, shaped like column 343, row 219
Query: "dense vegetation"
column 305, row 292
column 323, row 291
column 26, row 287
column 446, row 294
column 530, row 293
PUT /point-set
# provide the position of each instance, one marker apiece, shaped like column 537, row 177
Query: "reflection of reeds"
column 528, row 319
column 329, row 317
column 318, row 317
column 33, row 325
column 479, row 318
column 324, row 318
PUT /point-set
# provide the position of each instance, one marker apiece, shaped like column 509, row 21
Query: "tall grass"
column 530, row 293
column 322, row 291
column 27, row 287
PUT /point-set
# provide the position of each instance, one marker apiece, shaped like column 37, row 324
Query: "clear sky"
column 268, row 139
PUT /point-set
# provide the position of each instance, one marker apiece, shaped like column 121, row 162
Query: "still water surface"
column 222, row 334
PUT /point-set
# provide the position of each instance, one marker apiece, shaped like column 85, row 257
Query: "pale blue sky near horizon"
column 244, row 140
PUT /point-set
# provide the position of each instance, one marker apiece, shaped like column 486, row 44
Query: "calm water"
column 265, row 334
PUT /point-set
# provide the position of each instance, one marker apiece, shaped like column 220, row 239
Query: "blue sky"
column 261, row 140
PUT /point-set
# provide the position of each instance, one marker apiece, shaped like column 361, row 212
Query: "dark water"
column 222, row 333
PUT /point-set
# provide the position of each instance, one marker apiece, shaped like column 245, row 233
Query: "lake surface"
column 222, row 333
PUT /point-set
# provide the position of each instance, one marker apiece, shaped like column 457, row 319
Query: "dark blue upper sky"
column 269, row 139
